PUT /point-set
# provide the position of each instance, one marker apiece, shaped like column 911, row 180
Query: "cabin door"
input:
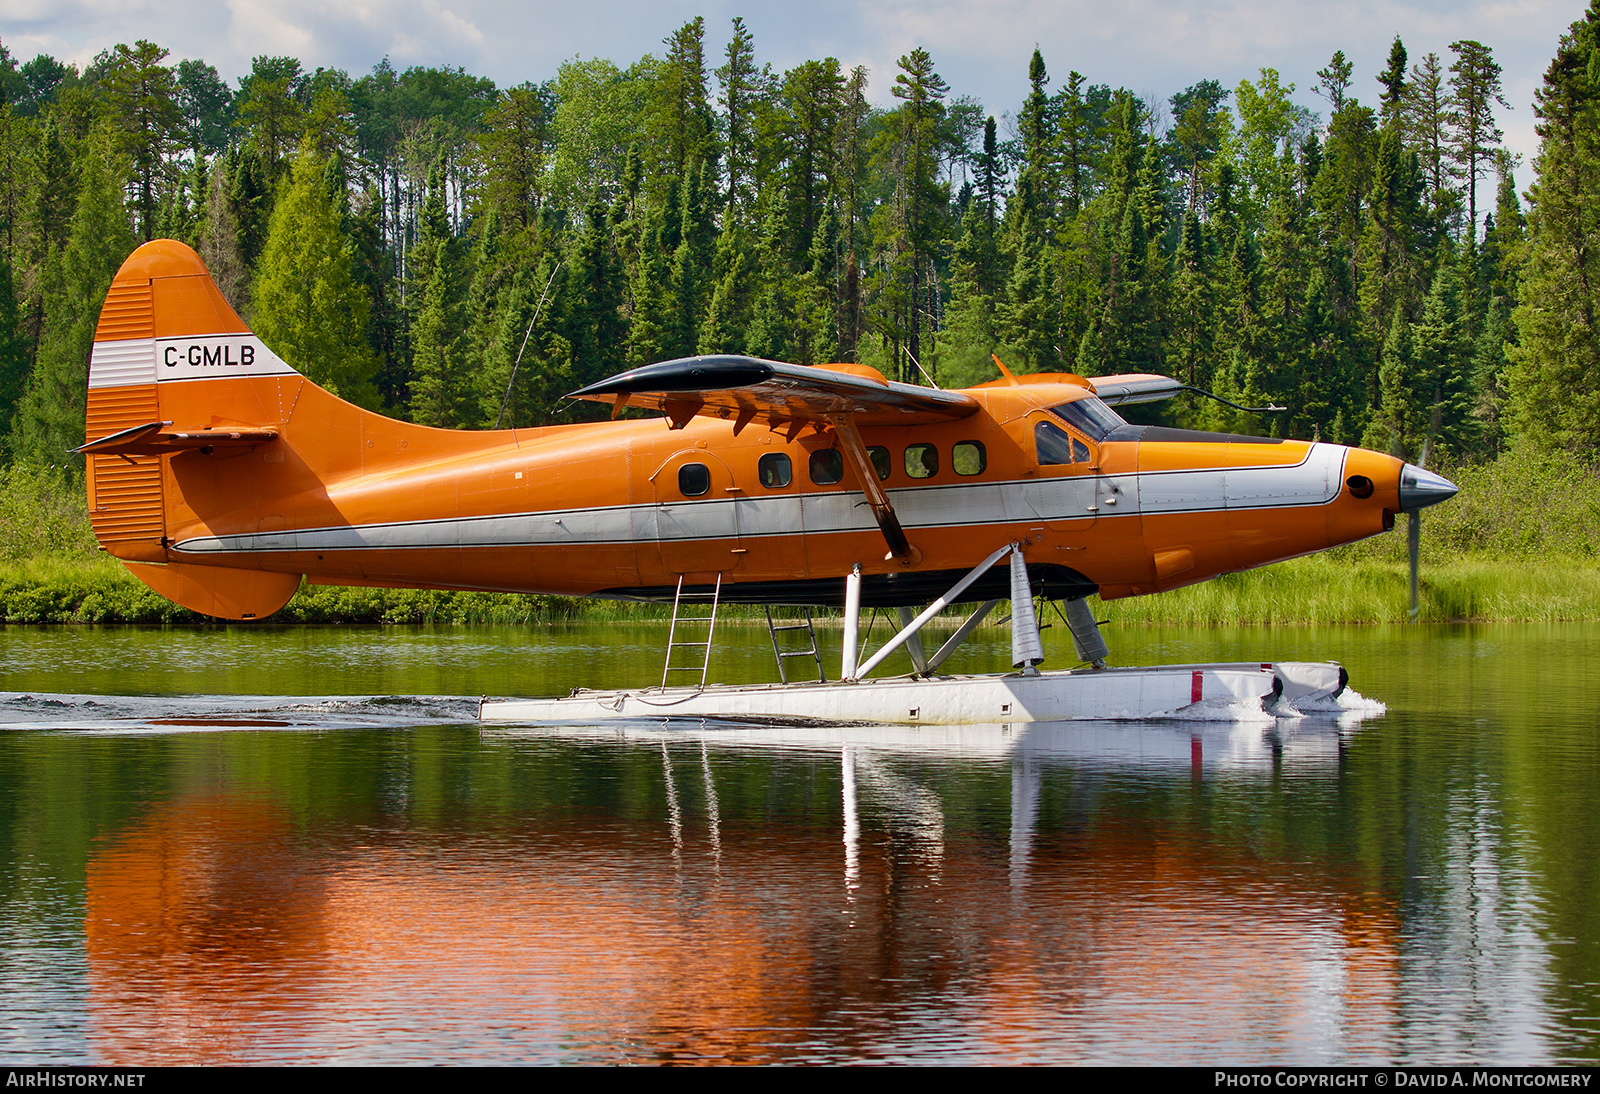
column 1062, row 491
column 697, row 514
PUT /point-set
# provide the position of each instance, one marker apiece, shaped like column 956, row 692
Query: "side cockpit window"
column 1090, row 416
column 1056, row 446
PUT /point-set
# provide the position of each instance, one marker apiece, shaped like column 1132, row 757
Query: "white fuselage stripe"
column 1316, row 480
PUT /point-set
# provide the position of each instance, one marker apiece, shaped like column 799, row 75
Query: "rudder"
column 165, row 320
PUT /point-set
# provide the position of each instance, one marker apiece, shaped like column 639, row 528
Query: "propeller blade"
column 1414, row 550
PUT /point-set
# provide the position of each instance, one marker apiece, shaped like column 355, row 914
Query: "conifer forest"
column 1382, row 267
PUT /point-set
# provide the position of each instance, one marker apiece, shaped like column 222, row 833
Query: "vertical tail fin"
column 164, row 321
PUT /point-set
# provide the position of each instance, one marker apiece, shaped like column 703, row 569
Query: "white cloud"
column 981, row 48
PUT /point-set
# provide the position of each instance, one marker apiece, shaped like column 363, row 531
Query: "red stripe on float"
column 1194, row 686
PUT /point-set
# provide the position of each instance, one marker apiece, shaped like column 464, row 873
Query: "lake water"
column 295, row 845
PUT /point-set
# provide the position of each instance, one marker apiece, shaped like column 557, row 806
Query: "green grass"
column 1521, row 543
column 1327, row 589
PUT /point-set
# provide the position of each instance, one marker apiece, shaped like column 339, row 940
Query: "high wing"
column 745, row 389
column 1135, row 387
column 1145, row 387
column 748, row 389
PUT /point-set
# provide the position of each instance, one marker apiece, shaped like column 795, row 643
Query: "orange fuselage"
column 346, row 496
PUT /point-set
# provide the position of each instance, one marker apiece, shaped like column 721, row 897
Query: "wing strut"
column 856, row 453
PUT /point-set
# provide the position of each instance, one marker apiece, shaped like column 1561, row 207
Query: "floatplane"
column 222, row 478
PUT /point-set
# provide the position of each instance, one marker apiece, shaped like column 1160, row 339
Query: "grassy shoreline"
column 1316, row 590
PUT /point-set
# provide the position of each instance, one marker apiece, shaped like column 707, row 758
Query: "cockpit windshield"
column 1090, row 415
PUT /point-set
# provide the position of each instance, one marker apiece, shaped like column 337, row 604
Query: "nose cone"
column 1420, row 489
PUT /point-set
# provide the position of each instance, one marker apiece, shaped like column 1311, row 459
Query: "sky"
column 980, row 47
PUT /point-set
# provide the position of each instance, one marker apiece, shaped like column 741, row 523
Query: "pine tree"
column 50, row 417
column 743, row 88
column 1440, row 378
column 270, row 112
column 544, row 373
column 1199, row 121
column 685, row 130
column 1028, row 321
column 770, row 333
column 595, row 327
column 1189, row 353
column 441, row 391
column 374, row 272
column 650, row 334
column 1474, row 89
column 1077, row 140
column 1394, row 410
column 512, row 150
column 142, row 94
column 1037, row 181
column 1334, row 81
column 54, row 201
column 728, row 315
column 1386, row 250
column 1555, row 367
column 1393, row 79
column 974, row 283
column 309, row 308
column 15, row 357
column 1427, row 113
column 249, row 204
column 691, row 265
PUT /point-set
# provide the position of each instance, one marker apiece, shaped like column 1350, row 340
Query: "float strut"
column 1026, row 649
column 919, row 659
column 930, row 611
column 852, row 623
column 960, row 636
column 1086, row 637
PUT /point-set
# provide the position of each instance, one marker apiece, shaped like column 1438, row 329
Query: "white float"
column 1221, row 692
column 1213, row 692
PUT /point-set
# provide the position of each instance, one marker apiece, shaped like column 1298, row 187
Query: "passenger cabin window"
column 880, row 461
column 775, row 471
column 922, row 461
column 827, row 466
column 1056, row 446
column 1091, row 416
column 694, row 479
column 969, row 458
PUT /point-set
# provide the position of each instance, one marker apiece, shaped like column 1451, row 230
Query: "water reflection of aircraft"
column 220, row 929
column 222, row 476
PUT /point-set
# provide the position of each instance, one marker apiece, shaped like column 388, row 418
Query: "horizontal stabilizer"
column 747, row 389
column 1135, row 387
column 154, row 438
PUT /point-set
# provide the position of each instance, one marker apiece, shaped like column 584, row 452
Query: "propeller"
column 1420, row 488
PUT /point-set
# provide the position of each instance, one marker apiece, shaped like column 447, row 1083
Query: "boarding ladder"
column 780, row 653
column 710, row 622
